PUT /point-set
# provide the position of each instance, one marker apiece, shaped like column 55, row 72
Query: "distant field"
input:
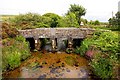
column 6, row 17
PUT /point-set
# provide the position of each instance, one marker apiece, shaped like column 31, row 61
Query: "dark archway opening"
column 77, row 42
column 45, row 44
column 31, row 43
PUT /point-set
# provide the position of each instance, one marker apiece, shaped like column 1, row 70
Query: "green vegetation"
column 103, row 46
column 54, row 19
column 77, row 50
column 68, row 20
column 96, row 22
column 114, row 22
column 14, row 48
column 13, row 54
column 70, row 60
column 33, row 20
column 33, row 65
column 8, row 31
column 106, row 49
column 78, row 11
column 104, row 41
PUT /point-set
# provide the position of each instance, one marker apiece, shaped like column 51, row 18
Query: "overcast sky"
column 96, row 9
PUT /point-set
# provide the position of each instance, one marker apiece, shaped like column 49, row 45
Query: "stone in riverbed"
column 53, row 70
column 61, row 74
column 63, row 65
column 67, row 70
column 50, row 66
column 42, row 76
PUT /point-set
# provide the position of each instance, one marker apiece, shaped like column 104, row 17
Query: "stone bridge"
column 54, row 34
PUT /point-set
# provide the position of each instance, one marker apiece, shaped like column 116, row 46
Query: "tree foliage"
column 68, row 20
column 115, row 21
column 33, row 20
column 54, row 19
column 78, row 11
column 96, row 22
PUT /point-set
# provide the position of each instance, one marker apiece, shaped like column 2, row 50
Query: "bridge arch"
column 74, row 36
column 31, row 42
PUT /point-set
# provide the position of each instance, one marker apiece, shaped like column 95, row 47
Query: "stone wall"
column 57, row 32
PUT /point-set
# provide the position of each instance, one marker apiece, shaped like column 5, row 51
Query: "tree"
column 84, row 20
column 96, row 22
column 62, row 22
column 112, row 21
column 45, row 22
column 54, row 19
column 118, row 18
column 68, row 20
column 78, row 11
column 115, row 21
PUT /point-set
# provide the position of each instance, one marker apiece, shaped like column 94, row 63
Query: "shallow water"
column 51, row 65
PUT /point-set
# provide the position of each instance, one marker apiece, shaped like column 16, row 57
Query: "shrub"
column 77, row 51
column 8, row 31
column 26, row 21
column 104, row 41
column 23, row 47
column 13, row 60
column 107, row 43
column 102, row 66
column 13, row 53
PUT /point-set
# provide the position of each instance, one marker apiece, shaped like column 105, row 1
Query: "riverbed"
column 51, row 65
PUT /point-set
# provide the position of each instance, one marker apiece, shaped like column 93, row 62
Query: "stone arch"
column 77, row 42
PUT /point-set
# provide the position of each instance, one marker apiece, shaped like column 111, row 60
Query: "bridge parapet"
column 57, row 32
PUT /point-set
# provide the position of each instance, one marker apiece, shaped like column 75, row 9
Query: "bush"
column 23, row 47
column 8, row 31
column 104, row 62
column 13, row 51
column 26, row 21
column 102, row 66
column 13, row 60
column 104, row 41
column 77, row 51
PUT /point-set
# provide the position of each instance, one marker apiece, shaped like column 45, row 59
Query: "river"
column 51, row 65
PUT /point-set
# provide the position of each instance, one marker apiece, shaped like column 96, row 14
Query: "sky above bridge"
column 96, row 9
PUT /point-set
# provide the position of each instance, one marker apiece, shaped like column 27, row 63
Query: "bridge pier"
column 37, row 44
column 70, row 45
column 54, row 44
